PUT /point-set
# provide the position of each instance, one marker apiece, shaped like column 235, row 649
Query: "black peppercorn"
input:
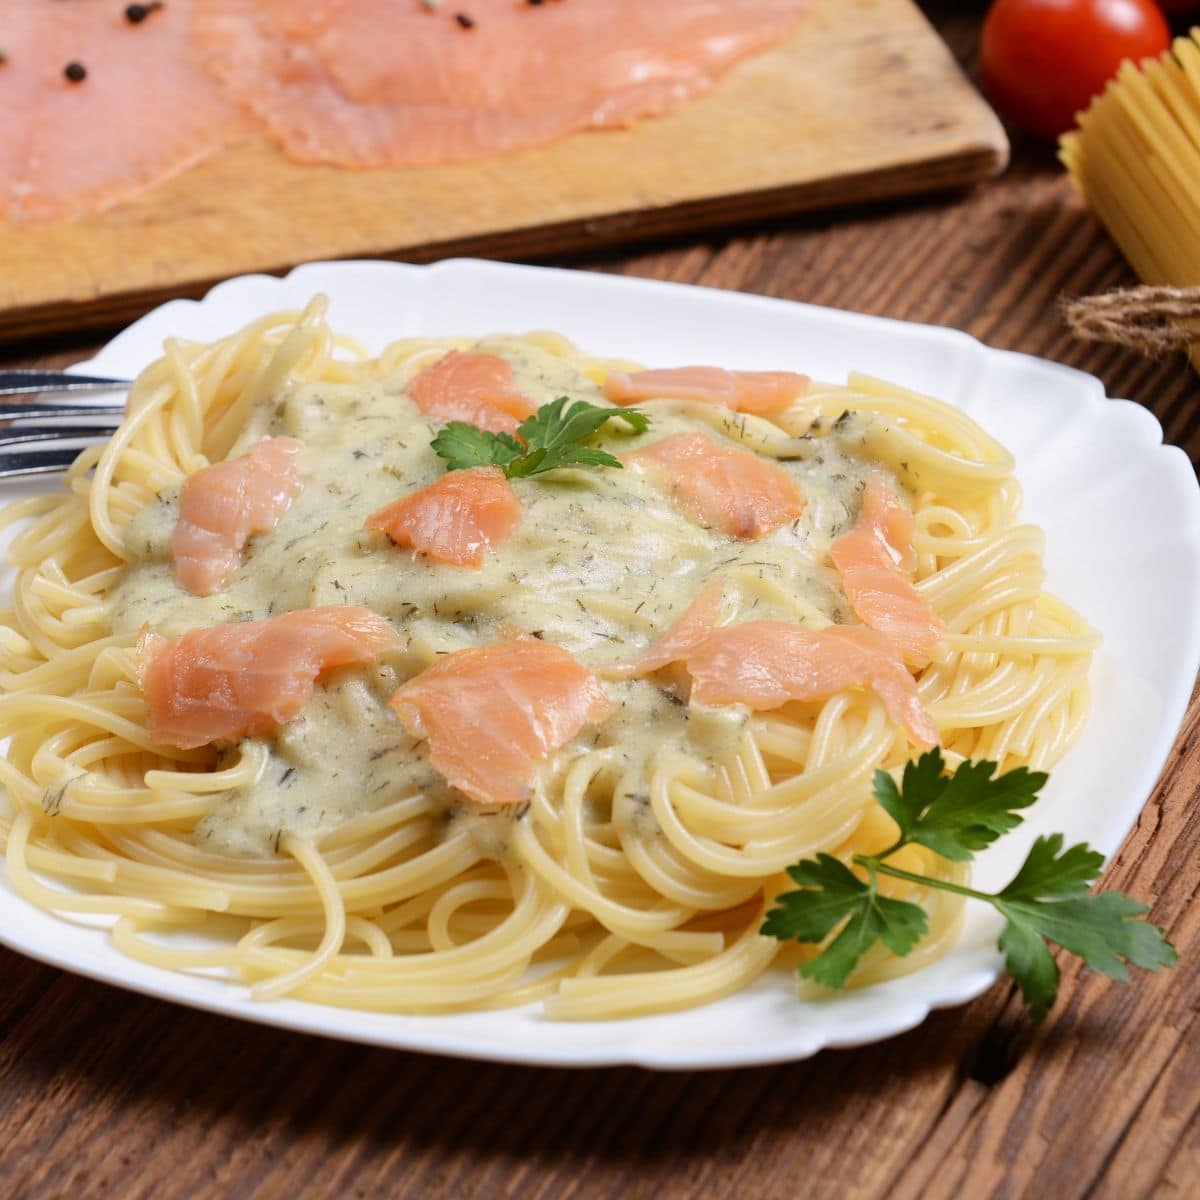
column 135, row 14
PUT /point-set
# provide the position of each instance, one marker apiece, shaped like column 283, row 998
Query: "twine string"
column 1152, row 320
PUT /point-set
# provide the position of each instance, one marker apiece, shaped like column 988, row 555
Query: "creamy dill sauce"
column 602, row 564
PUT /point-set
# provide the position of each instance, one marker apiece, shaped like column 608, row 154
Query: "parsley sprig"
column 553, row 437
column 954, row 816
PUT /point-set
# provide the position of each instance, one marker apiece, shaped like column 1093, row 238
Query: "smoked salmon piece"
column 697, row 622
column 723, row 487
column 875, row 561
column 492, row 713
column 477, row 388
column 224, row 505
column 764, row 664
column 144, row 109
column 759, row 392
column 456, row 520
column 390, row 83
column 246, row 679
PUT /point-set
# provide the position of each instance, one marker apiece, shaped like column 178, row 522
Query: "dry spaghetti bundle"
column 1136, row 159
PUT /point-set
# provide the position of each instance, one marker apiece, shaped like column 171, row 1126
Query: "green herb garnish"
column 954, row 816
column 553, row 437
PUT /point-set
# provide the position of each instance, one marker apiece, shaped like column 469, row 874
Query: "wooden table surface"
column 107, row 1094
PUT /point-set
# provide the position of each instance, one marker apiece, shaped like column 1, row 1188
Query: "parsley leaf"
column 831, row 892
column 1047, row 901
column 1028, row 960
column 463, row 445
column 955, row 815
column 554, row 425
column 552, row 438
column 1047, row 875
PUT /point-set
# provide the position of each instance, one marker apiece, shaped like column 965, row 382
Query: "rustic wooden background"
column 107, row 1094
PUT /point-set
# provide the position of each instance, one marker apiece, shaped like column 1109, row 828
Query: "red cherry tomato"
column 1044, row 60
column 1178, row 6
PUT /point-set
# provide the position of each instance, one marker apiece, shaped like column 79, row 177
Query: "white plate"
column 1122, row 518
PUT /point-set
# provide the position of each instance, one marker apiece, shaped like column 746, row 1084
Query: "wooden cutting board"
column 864, row 102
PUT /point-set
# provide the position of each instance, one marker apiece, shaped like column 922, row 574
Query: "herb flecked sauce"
column 601, row 564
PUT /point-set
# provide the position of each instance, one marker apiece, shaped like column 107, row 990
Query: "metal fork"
column 39, row 436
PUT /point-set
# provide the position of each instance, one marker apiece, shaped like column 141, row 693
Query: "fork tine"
column 39, row 437
column 20, row 435
column 38, row 383
column 45, row 459
column 32, row 383
column 43, row 410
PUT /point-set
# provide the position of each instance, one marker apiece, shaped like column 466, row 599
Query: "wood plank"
column 116, row 1094
column 863, row 103
column 108, row 1094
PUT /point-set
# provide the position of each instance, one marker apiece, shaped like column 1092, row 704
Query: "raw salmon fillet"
column 223, row 505
column 389, row 83
column 477, row 388
column 492, row 713
column 760, row 392
column 875, row 561
column 721, row 486
column 764, row 664
column 246, row 679
column 20, row 96
column 455, row 520
column 697, row 622
column 145, row 110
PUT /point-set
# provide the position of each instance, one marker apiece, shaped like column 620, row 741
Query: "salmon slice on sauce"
column 697, row 622
column 480, row 389
column 875, row 561
column 246, row 679
column 390, row 83
column 723, row 487
column 224, row 505
column 759, row 392
column 764, row 664
column 457, row 520
column 143, row 110
column 492, row 713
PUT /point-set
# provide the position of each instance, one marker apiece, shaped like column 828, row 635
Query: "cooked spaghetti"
column 349, row 855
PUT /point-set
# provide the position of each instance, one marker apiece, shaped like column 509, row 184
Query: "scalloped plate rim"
column 891, row 1008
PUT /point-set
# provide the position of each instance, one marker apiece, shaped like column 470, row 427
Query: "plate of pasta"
column 405, row 672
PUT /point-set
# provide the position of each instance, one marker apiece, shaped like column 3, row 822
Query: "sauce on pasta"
column 635, row 877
